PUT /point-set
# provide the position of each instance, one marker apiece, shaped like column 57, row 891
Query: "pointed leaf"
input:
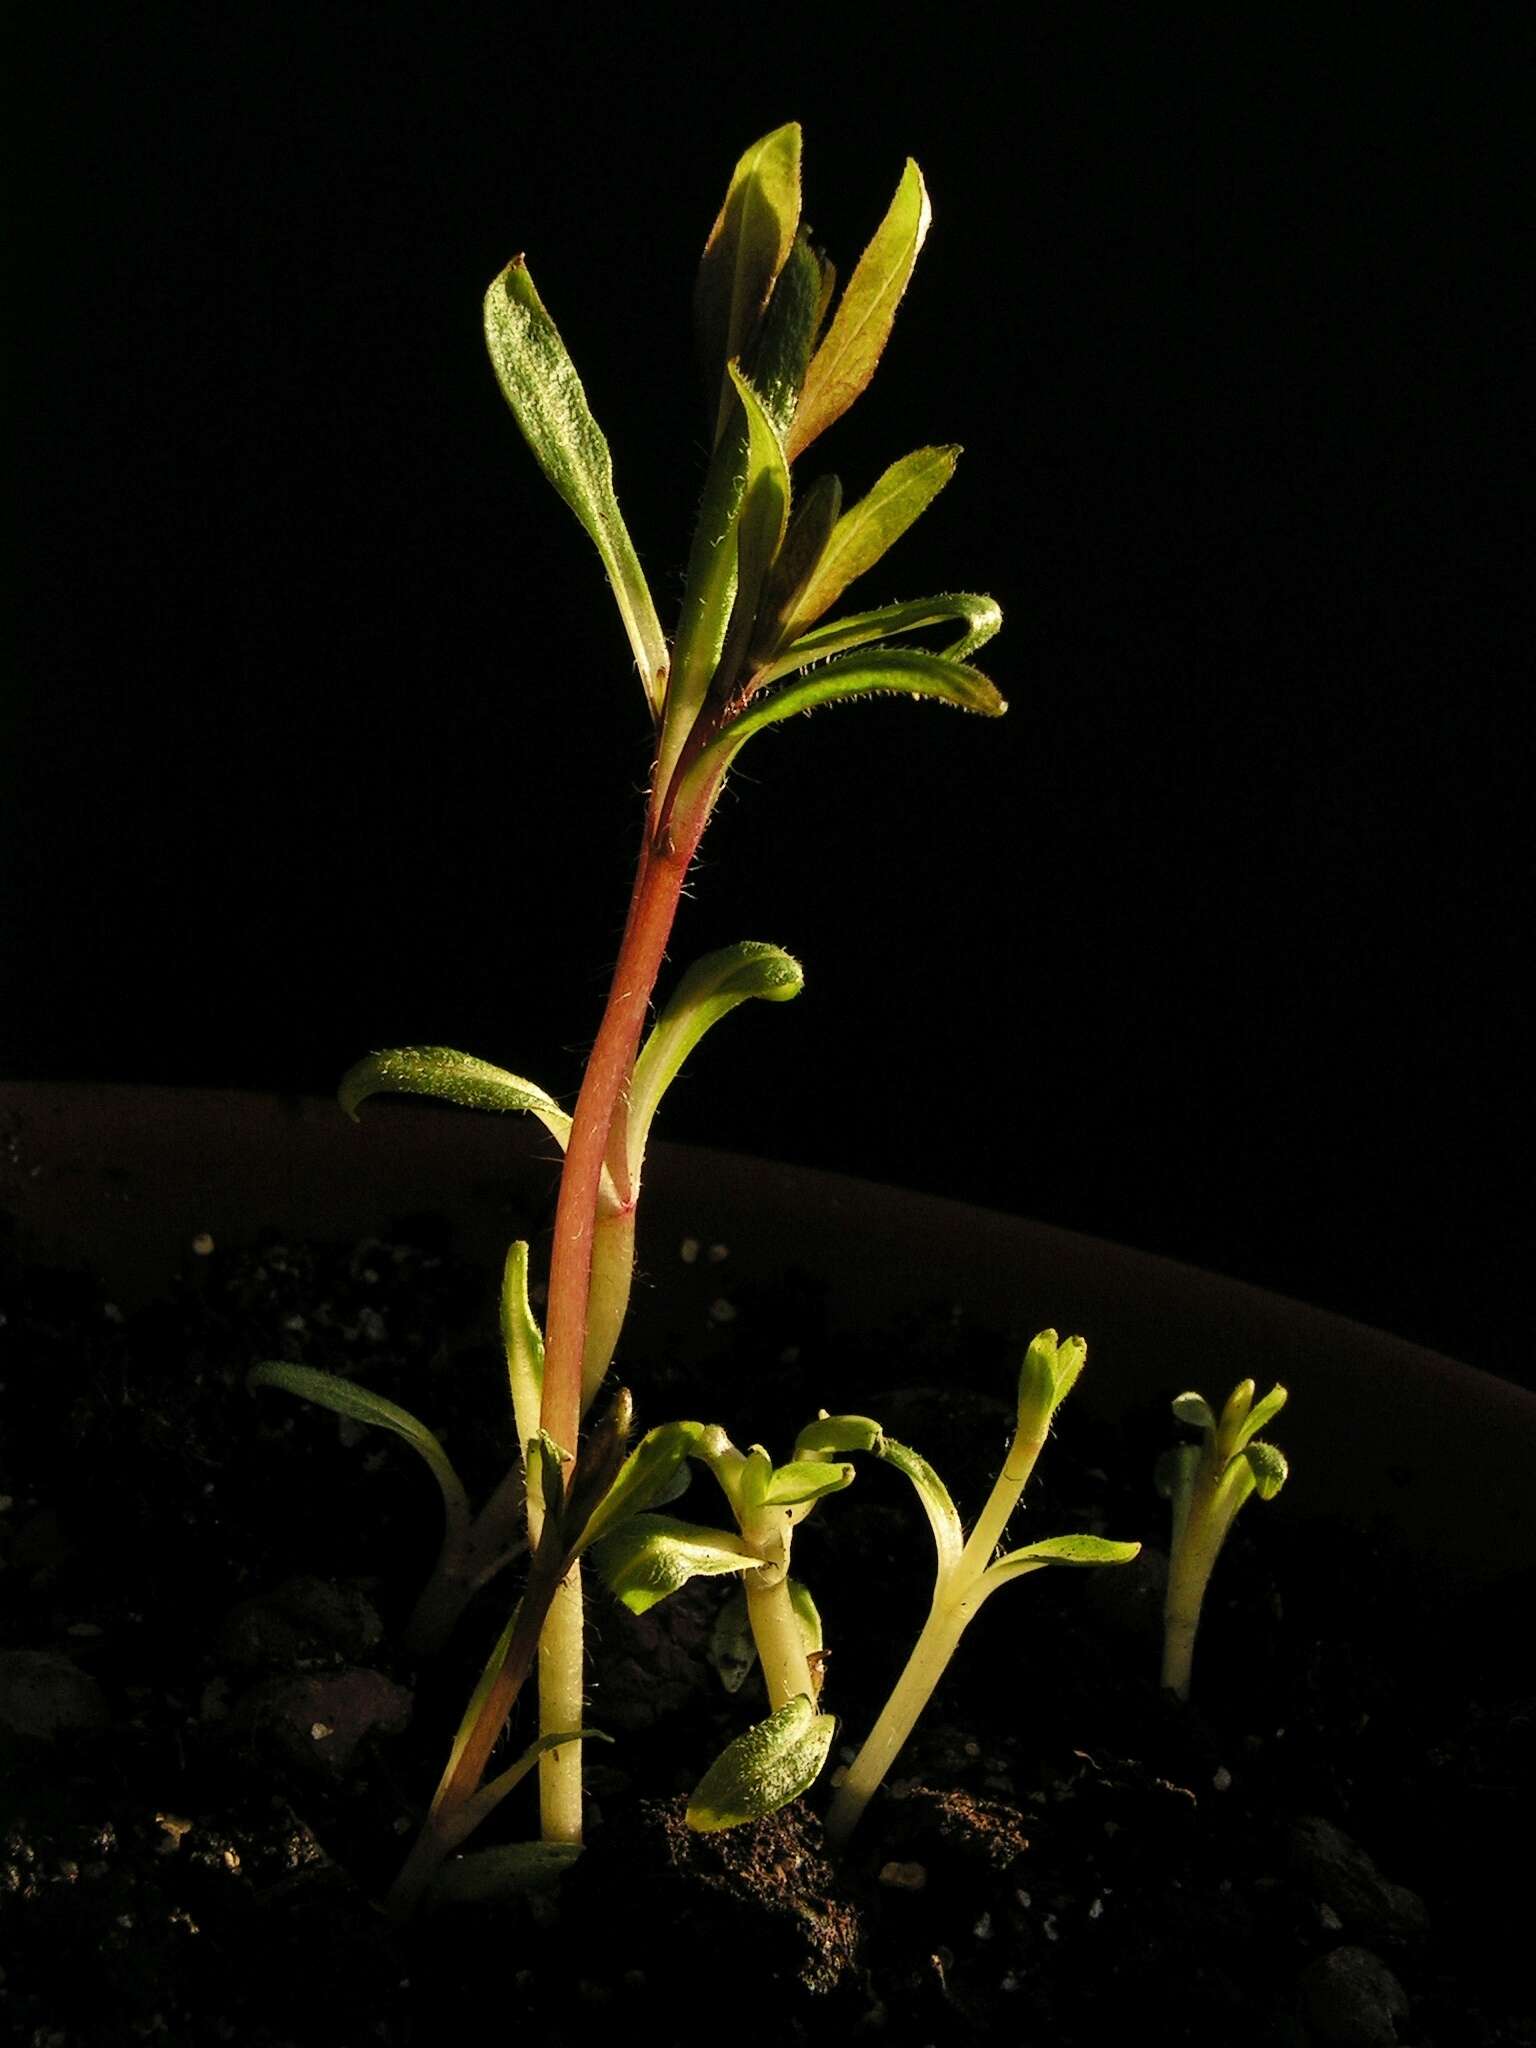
column 844, row 363
column 1074, row 1550
column 948, row 1536
column 764, row 1769
column 539, row 382
column 867, row 530
column 655, row 1472
column 829, row 1435
column 649, row 1556
column 1233, row 1415
column 523, row 1342
column 1269, row 1466
column 360, row 1404
column 469, row 1719
column 1193, row 1409
column 805, row 1479
column 710, row 990
column 978, row 615
column 451, row 1076
column 709, row 588
column 747, row 247
column 760, row 525
column 485, row 1799
column 1266, row 1411
column 776, row 366
column 1048, row 1374
column 811, row 528
column 809, row 1616
column 858, row 675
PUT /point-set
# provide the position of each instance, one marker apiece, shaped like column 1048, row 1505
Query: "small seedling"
column 1207, row 1484
column 968, row 1572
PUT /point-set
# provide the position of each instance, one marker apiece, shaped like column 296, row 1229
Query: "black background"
column 323, row 730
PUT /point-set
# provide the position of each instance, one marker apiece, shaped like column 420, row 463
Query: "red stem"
column 659, row 877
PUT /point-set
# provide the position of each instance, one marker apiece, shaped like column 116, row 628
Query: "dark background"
column 323, row 733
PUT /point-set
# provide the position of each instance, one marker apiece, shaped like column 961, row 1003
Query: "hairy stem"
column 913, row 1690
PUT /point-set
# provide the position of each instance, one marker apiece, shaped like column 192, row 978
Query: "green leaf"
column 857, row 675
column 763, row 1769
column 747, row 247
column 867, row 530
column 812, row 526
column 1266, row 1411
column 358, row 1404
column 804, row 1479
column 710, row 990
column 655, row 1472
column 760, row 524
column 539, row 382
column 948, row 1536
column 649, row 1556
column 1193, row 1409
column 1074, row 1550
column 809, row 1617
column 1046, row 1377
column 511, row 1870
column 844, row 363
column 523, row 1342
column 829, row 1435
column 489, row 1673
column 485, row 1799
column 776, row 366
column 979, row 617
column 1229, row 1429
column 1174, row 1472
column 1269, row 1466
column 451, row 1076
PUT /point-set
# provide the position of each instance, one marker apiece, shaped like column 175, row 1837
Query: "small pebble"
column 903, row 1877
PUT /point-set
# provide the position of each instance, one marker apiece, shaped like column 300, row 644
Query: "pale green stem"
column 560, row 1706
column 1198, row 1537
column 1001, row 1502
column 925, row 1667
column 779, row 1638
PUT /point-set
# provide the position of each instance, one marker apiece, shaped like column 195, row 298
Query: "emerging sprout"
column 1207, row 1484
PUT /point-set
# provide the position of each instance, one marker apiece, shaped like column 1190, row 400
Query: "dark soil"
column 215, row 1752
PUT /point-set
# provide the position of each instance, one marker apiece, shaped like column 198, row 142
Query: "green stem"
column 779, row 1638
column 924, row 1668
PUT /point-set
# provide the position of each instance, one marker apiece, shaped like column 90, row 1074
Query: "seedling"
column 1207, row 1484
column 968, row 1572
column 754, row 646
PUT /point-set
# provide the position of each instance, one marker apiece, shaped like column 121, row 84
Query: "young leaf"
column 523, row 1342
column 649, row 1556
column 359, row 1404
column 831, row 1435
column 776, row 366
column 844, row 363
column 655, row 1472
column 1269, row 1467
column 978, row 616
column 710, row 990
column 857, row 675
column 1195, row 1410
column 539, row 382
column 803, row 1479
column 866, row 531
column 1046, row 1377
column 811, row 528
column 451, row 1076
column 732, row 1649
column 747, row 248
column 763, row 1769
column 1266, row 1411
column 1077, row 1550
column 948, row 1536
column 760, row 524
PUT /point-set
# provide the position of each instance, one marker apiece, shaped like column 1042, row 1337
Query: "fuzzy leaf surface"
column 978, row 617
column 1074, row 1550
column 649, row 1556
column 523, row 1342
column 948, row 1536
column 1269, row 1467
column 805, row 1479
column 655, row 1472
column 763, row 1769
column 450, row 1076
column 748, row 246
column 864, row 533
column 540, row 384
column 1195, row 1410
column 844, row 363
column 1265, row 1411
column 710, row 990
column 831, row 1435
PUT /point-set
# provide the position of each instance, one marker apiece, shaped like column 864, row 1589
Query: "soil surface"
column 214, row 1751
